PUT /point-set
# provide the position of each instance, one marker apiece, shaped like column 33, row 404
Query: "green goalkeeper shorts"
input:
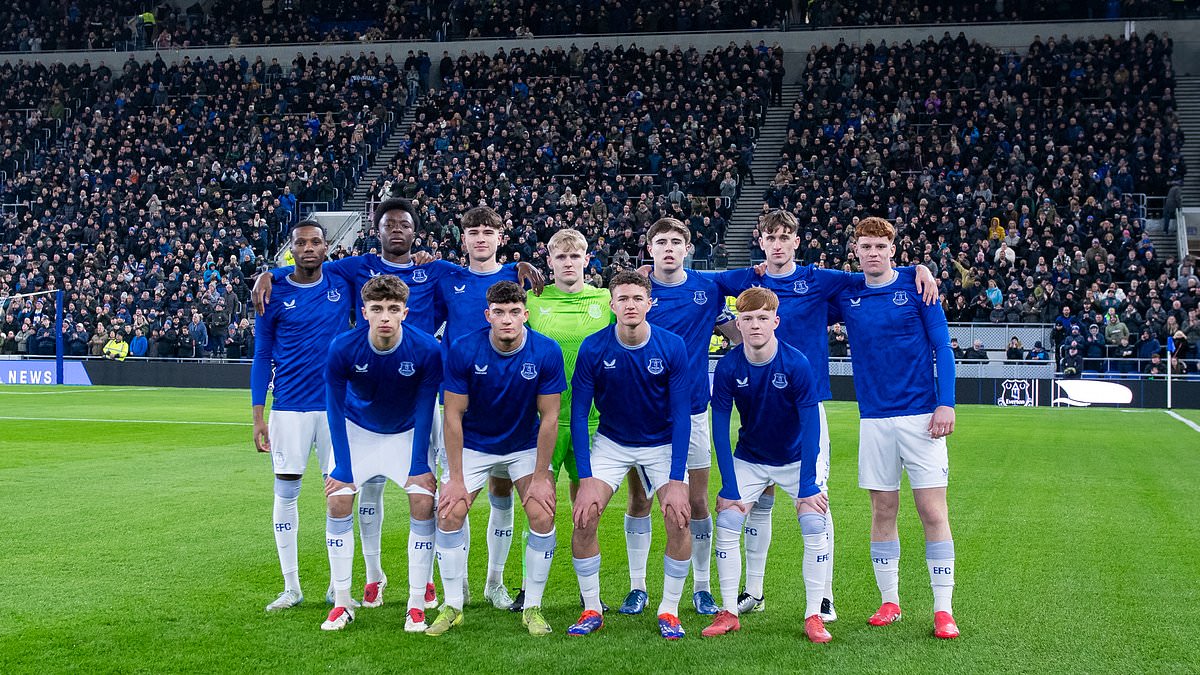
column 564, row 454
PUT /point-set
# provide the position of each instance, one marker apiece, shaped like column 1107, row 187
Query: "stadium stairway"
column 1187, row 100
column 766, row 158
column 360, row 199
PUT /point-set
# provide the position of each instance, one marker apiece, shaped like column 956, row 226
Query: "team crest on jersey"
column 594, row 311
column 528, row 370
column 420, row 277
column 699, row 297
column 780, row 381
column 333, row 295
column 655, row 366
column 801, row 287
column 407, row 369
column 900, row 298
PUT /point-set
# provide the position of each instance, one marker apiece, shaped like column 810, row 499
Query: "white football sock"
column 675, row 573
column 499, row 537
column 758, row 542
column 466, row 528
column 539, row 553
column 729, row 556
column 829, row 552
column 587, row 571
column 702, row 531
column 370, row 526
column 939, row 557
column 451, row 562
column 339, row 539
column 816, row 543
column 287, row 525
column 885, row 556
column 420, row 559
column 637, row 548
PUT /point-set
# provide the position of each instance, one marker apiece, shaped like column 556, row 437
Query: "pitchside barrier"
column 993, row 383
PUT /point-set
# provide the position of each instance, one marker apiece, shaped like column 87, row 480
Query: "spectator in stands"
column 1015, row 352
column 975, row 352
column 1126, row 357
column 1071, row 365
column 1148, row 345
column 1155, row 366
column 838, row 345
column 116, row 349
column 138, row 345
column 1038, row 353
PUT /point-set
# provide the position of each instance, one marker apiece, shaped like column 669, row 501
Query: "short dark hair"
column 383, row 288
column 482, row 216
column 628, row 278
column 505, row 293
column 396, row 204
column 309, row 222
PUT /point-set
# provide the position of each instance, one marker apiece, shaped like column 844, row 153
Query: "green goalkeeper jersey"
column 568, row 318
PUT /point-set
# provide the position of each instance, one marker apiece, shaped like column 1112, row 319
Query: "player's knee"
column 731, row 519
column 540, row 519
column 421, row 506
column 289, row 477
column 340, row 506
column 699, row 504
column 500, row 487
column 452, row 519
column 812, row 529
column 287, row 488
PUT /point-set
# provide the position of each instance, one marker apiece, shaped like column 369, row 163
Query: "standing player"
column 637, row 376
column 804, row 292
column 464, row 295
column 312, row 309
column 907, row 410
column 774, row 390
column 688, row 305
column 503, row 388
column 381, row 384
column 397, row 221
column 567, row 312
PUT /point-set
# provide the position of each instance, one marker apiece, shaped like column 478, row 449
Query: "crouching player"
column 773, row 388
column 503, row 389
column 381, row 384
column 904, row 381
column 639, row 380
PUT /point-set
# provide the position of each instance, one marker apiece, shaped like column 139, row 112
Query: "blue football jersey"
column 424, row 312
column 899, row 349
column 502, row 389
column 643, row 395
column 777, row 404
column 690, row 309
column 292, row 337
column 386, row 392
column 464, row 294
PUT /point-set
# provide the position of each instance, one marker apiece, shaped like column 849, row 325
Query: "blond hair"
column 567, row 239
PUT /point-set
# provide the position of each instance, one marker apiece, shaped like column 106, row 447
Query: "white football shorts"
column 293, row 435
column 699, row 449
column 388, row 455
column 753, row 478
column 889, row 445
column 611, row 461
column 479, row 466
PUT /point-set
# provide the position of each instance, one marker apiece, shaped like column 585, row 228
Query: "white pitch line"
column 5, row 392
column 1181, row 418
column 123, row 421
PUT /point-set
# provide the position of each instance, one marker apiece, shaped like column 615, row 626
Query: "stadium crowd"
column 47, row 25
column 606, row 141
column 149, row 194
column 154, row 192
column 1013, row 176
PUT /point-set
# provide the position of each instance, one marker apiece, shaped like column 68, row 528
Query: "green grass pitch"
column 146, row 546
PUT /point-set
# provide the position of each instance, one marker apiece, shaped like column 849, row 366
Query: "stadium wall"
column 1185, row 33
column 1015, row 390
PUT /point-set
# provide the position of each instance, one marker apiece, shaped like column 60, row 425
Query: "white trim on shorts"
column 890, row 445
column 479, row 466
column 699, row 448
column 293, row 434
column 388, row 455
column 611, row 461
column 753, row 478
